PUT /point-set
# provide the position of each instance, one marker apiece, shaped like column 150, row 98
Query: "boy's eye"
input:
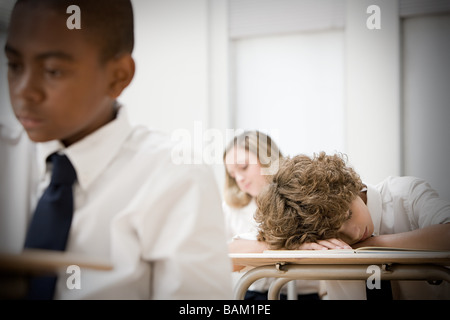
column 14, row 67
column 53, row 73
column 350, row 214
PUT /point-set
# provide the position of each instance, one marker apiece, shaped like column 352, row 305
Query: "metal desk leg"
column 275, row 287
column 251, row 276
column 292, row 293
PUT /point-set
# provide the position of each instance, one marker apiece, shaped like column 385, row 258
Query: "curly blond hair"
column 307, row 201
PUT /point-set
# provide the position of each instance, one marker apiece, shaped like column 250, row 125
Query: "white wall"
column 426, row 98
column 395, row 92
column 328, row 83
column 181, row 80
column 291, row 87
column 372, row 67
column 169, row 90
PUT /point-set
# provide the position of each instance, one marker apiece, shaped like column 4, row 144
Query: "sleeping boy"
column 321, row 203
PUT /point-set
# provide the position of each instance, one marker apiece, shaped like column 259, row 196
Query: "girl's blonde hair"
column 308, row 200
column 268, row 155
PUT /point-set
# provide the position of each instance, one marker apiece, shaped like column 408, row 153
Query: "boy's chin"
column 39, row 137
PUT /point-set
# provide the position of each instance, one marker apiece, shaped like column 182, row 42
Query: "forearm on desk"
column 435, row 237
column 247, row 246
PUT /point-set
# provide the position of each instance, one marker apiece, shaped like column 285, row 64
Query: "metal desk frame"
column 285, row 267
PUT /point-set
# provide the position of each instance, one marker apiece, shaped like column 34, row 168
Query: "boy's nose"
column 27, row 87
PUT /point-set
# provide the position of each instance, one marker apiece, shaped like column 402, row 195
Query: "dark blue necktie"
column 51, row 221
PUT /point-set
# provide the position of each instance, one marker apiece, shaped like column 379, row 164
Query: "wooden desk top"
column 37, row 261
column 340, row 256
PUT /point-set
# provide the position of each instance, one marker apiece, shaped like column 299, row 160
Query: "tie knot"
column 63, row 172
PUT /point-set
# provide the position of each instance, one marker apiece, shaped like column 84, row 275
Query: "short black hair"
column 108, row 23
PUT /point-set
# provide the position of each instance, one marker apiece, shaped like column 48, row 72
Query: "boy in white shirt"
column 320, row 202
column 159, row 223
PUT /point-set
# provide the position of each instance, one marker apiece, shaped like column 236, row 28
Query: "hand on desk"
column 324, row 245
column 254, row 246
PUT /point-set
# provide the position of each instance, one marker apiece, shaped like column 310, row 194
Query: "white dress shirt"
column 400, row 204
column 160, row 224
column 240, row 222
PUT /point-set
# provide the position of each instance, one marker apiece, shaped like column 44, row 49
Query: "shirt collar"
column 43, row 150
column 92, row 154
column 375, row 207
column 374, row 203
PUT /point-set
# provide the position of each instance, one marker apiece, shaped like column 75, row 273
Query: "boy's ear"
column 122, row 72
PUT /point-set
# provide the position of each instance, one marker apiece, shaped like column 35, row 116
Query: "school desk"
column 16, row 268
column 287, row 265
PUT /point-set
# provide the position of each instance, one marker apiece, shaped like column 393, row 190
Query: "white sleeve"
column 241, row 223
column 17, row 179
column 420, row 201
column 188, row 250
column 246, row 236
column 227, row 214
column 251, row 234
column 428, row 208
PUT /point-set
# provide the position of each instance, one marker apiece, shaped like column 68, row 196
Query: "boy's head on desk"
column 67, row 65
column 311, row 199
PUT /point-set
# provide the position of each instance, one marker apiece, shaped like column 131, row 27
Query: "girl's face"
column 244, row 167
column 359, row 226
